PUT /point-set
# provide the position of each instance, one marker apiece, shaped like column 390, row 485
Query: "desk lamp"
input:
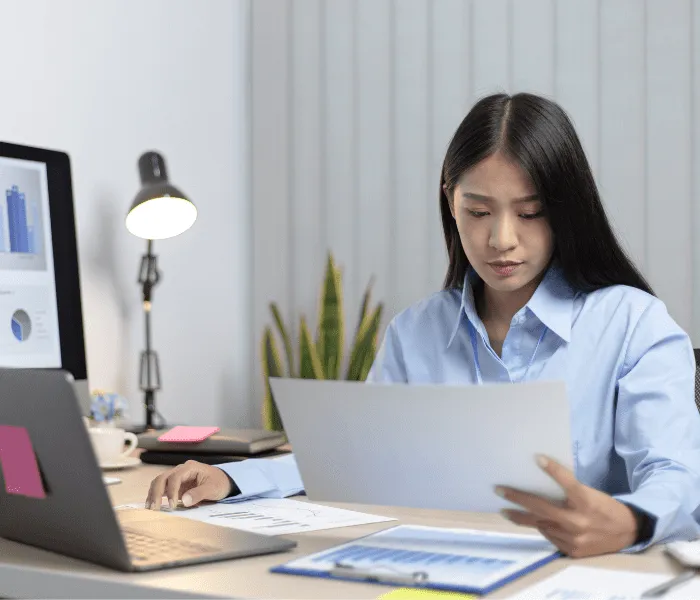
column 159, row 211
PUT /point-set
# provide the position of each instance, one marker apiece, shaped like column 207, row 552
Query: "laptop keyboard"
column 143, row 547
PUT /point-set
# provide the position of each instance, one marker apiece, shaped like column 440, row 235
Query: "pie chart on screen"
column 21, row 325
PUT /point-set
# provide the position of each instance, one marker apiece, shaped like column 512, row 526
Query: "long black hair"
column 537, row 134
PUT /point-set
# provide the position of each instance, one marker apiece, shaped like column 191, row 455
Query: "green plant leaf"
column 365, row 348
column 363, row 315
column 272, row 367
column 285, row 337
column 365, row 301
column 310, row 364
column 331, row 322
column 372, row 337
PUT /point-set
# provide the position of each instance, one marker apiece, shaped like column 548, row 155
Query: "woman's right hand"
column 192, row 481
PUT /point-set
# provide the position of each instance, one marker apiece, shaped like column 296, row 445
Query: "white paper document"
column 273, row 516
column 588, row 583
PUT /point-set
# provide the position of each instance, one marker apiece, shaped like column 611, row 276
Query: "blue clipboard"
column 458, row 560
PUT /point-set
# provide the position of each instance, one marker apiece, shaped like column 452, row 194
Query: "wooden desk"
column 30, row 572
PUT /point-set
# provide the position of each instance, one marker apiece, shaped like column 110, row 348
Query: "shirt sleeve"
column 388, row 365
column 264, row 477
column 657, row 428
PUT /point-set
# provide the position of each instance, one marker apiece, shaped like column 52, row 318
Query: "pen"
column 661, row 589
column 351, row 572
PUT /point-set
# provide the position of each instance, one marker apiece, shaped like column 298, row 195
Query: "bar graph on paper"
column 273, row 516
column 367, row 556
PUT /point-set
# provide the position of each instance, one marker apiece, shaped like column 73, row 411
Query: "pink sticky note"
column 181, row 433
column 19, row 467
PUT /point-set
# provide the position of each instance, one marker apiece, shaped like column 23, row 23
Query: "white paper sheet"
column 272, row 516
column 588, row 583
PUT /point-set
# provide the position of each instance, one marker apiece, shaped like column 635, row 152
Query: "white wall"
column 106, row 81
column 356, row 100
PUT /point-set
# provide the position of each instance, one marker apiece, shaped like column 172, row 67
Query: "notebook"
column 459, row 560
column 226, row 441
column 156, row 457
column 184, row 433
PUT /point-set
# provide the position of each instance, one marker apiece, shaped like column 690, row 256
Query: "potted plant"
column 107, row 409
column 320, row 356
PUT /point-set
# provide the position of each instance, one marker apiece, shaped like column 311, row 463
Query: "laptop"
column 424, row 445
column 76, row 518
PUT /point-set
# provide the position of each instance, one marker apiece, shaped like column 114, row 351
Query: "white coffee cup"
column 108, row 443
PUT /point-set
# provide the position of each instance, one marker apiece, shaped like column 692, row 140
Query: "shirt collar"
column 552, row 303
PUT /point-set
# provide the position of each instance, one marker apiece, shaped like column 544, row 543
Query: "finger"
column 535, row 504
column 206, row 491
column 525, row 519
column 563, row 476
column 155, row 493
column 560, row 540
column 520, row 517
column 172, row 488
column 147, row 503
column 186, row 486
column 538, row 506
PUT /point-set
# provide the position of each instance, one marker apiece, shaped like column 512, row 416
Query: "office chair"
column 697, row 377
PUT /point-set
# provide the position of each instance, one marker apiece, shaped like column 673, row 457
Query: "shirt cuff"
column 235, row 490
column 248, row 478
column 645, row 525
column 648, row 511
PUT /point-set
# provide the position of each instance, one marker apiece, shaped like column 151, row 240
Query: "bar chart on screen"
column 23, row 224
column 23, row 217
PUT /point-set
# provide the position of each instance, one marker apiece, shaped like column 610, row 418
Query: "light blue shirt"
column 629, row 371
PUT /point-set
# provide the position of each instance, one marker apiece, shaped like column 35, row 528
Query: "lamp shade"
column 159, row 210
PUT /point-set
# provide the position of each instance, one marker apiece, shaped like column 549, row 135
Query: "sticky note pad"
column 182, row 433
column 19, row 467
column 423, row 594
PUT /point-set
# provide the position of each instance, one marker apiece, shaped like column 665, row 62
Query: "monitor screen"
column 29, row 332
column 41, row 320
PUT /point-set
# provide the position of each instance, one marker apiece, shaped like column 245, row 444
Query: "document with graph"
column 463, row 560
column 273, row 516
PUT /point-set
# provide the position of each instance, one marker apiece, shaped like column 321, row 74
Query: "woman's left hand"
column 588, row 523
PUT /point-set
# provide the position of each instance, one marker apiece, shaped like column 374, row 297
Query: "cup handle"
column 131, row 442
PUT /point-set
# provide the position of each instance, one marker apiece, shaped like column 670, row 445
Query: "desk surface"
column 30, row 572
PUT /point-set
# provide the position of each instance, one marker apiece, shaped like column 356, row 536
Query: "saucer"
column 121, row 463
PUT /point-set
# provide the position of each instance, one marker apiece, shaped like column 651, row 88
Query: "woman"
column 539, row 288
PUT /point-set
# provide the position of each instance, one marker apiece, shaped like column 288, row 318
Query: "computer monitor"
column 41, row 318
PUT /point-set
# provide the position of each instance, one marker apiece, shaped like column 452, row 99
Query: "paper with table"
column 274, row 516
column 588, row 583
column 441, row 558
